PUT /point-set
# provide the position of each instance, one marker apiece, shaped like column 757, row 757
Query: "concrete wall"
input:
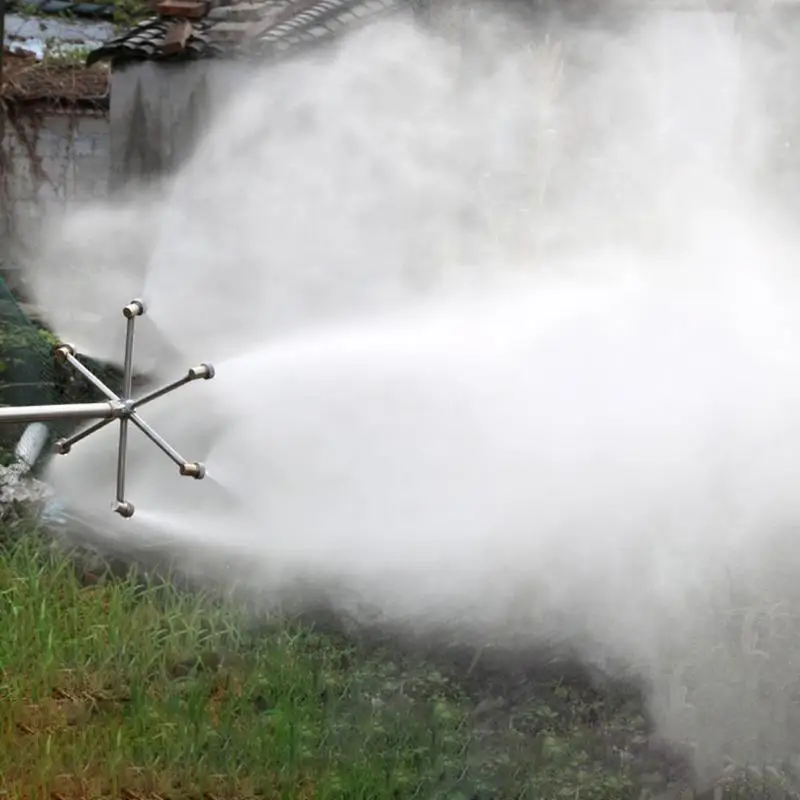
column 51, row 160
column 159, row 111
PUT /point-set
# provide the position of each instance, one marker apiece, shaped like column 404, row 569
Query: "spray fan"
column 123, row 409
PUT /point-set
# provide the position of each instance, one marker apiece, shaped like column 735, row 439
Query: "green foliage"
column 29, row 375
column 172, row 693
column 125, row 14
column 27, row 368
column 128, row 12
column 17, row 342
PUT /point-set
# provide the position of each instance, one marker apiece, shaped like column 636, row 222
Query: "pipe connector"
column 193, row 469
column 61, row 447
column 62, row 352
column 202, row 371
column 134, row 309
column 125, row 508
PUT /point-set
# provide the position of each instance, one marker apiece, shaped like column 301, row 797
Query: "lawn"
column 114, row 687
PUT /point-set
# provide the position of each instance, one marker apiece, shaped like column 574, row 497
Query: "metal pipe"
column 155, row 394
column 134, row 309
column 127, row 368
column 90, row 376
column 122, row 453
column 63, row 446
column 157, row 440
column 201, row 372
column 83, row 411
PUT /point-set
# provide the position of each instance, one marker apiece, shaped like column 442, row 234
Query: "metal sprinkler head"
column 123, row 408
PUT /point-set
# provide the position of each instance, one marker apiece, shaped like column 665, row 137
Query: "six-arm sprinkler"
column 123, row 408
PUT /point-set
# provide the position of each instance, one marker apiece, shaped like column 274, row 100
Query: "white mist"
column 492, row 352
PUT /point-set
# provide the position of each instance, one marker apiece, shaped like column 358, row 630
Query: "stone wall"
column 51, row 160
column 159, row 112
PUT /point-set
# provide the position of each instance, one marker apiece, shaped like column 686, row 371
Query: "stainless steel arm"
column 57, row 412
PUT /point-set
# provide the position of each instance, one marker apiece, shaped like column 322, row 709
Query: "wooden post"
column 3, row 155
column 2, row 37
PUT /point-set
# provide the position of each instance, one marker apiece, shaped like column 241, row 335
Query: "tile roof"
column 186, row 29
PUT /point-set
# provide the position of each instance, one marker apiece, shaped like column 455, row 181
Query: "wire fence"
column 30, row 375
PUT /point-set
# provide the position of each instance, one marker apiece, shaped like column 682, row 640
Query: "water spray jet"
column 123, row 408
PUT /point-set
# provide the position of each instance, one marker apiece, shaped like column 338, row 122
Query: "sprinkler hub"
column 122, row 408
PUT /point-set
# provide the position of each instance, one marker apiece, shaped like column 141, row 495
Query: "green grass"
column 113, row 688
column 100, row 690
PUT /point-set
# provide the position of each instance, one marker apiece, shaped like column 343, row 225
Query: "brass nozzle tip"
column 194, row 470
column 134, row 309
